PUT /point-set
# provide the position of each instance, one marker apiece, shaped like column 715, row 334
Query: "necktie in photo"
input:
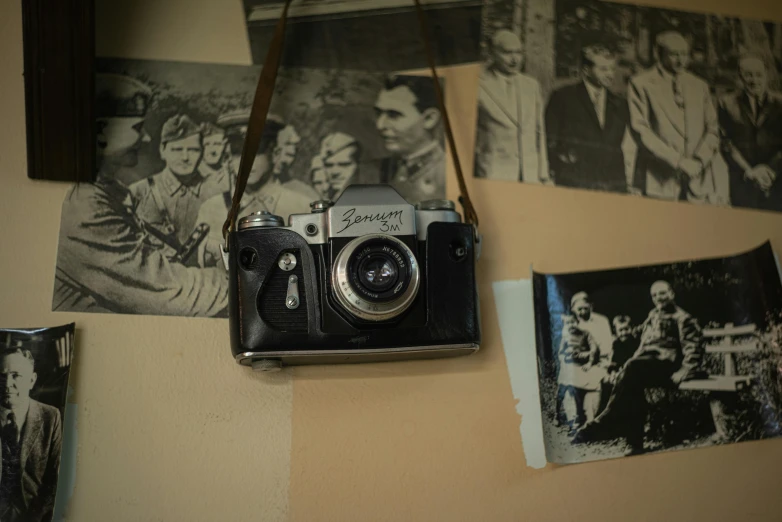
column 599, row 108
column 755, row 104
column 678, row 97
column 510, row 97
column 11, row 430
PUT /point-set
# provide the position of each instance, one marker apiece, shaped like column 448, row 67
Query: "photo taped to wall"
column 632, row 100
column 35, row 366
column 146, row 237
column 660, row 357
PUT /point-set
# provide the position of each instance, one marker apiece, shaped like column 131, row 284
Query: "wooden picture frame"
column 59, row 72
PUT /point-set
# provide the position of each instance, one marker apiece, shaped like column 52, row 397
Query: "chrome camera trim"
column 293, row 357
column 361, row 210
column 354, row 303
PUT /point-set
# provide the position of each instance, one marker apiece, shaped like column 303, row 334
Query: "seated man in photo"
column 670, row 352
column 31, row 437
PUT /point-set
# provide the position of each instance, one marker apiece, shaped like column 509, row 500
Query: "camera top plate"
column 371, row 209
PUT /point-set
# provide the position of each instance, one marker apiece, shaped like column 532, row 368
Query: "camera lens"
column 375, row 277
column 379, row 269
column 378, row 272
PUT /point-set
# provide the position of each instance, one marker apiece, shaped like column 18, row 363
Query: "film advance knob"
column 436, row 204
column 262, row 218
column 321, row 205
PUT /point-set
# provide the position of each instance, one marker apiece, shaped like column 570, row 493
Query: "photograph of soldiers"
column 352, row 34
column 108, row 258
column 145, row 237
column 170, row 199
column 265, row 188
column 638, row 100
column 751, row 123
column 408, row 121
column 511, row 130
column 699, row 369
column 34, row 371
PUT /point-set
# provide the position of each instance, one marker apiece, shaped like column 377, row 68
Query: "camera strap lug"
column 292, row 298
column 224, row 254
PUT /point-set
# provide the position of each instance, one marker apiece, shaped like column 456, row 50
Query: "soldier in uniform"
column 170, row 199
column 341, row 154
column 319, row 179
column 107, row 260
column 216, row 163
column 265, row 188
column 408, row 120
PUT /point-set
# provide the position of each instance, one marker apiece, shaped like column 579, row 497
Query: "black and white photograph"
column 661, row 357
column 35, row 367
column 368, row 35
column 666, row 104
column 146, row 237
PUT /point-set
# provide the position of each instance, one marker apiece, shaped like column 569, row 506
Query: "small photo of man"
column 34, row 370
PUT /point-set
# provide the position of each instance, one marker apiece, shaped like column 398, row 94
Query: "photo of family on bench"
column 658, row 358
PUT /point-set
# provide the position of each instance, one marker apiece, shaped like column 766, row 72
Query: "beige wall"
column 171, row 429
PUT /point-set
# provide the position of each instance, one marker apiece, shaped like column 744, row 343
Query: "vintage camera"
column 367, row 278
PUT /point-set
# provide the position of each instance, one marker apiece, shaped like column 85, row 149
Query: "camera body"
column 368, row 278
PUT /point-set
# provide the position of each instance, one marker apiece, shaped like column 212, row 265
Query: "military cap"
column 210, row 129
column 236, row 122
column 119, row 95
column 178, row 127
column 336, row 142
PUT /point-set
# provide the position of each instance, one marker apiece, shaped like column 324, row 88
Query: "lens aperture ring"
column 376, row 277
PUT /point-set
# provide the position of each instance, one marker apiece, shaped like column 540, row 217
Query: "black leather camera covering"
column 446, row 311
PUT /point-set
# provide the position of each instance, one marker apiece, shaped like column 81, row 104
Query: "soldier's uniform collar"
column 172, row 184
column 415, row 163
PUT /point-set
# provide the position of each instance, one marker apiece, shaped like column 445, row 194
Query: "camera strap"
column 260, row 108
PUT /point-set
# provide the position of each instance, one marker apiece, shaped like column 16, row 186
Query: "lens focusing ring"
column 365, row 303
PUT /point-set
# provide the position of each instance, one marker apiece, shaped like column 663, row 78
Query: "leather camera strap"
column 263, row 97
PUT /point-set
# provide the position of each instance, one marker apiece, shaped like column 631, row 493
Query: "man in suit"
column 511, row 135
column 670, row 351
column 31, row 443
column 674, row 122
column 751, row 124
column 585, row 126
column 408, row 120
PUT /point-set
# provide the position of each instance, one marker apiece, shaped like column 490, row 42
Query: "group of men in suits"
column 689, row 146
